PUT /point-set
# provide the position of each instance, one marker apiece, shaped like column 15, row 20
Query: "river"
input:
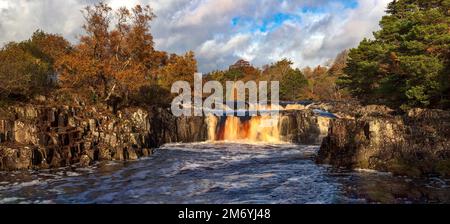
column 219, row 173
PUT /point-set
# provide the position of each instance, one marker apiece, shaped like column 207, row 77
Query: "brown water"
column 250, row 129
column 219, row 173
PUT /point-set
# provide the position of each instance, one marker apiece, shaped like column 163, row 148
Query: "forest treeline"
column 405, row 65
column 318, row 83
column 114, row 62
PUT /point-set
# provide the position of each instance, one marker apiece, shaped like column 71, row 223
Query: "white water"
column 218, row 173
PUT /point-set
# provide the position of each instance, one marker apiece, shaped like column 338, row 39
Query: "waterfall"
column 263, row 128
column 211, row 121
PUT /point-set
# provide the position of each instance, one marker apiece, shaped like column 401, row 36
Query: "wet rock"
column 15, row 158
column 6, row 131
column 146, row 152
column 27, row 112
column 85, row 160
column 55, row 159
column 303, row 127
column 130, row 154
column 39, row 158
column 67, row 135
column 414, row 144
column 104, row 153
column 118, row 154
column 25, row 133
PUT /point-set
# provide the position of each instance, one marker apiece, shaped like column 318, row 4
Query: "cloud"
column 309, row 32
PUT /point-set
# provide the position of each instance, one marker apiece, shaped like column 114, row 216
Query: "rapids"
column 220, row 172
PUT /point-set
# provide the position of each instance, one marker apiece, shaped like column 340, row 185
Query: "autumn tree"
column 173, row 68
column 339, row 64
column 21, row 74
column 178, row 68
column 90, row 63
column 113, row 59
column 27, row 68
column 276, row 71
column 241, row 70
column 48, row 46
column 316, row 79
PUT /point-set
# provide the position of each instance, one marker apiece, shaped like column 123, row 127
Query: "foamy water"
column 220, row 172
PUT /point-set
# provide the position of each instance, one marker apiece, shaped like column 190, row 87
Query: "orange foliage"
column 112, row 60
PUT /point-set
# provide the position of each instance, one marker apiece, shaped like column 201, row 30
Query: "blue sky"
column 309, row 32
column 278, row 18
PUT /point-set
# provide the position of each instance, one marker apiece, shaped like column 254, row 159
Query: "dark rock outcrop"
column 34, row 137
column 303, row 127
column 414, row 144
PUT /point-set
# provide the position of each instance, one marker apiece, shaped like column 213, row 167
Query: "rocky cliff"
column 37, row 136
column 303, row 127
column 372, row 137
column 414, row 144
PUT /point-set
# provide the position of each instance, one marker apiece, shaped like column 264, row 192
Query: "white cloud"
column 213, row 48
column 4, row 4
column 205, row 26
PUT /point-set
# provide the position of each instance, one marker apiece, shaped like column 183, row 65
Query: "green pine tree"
column 291, row 84
column 408, row 62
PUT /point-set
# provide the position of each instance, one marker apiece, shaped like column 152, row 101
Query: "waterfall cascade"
column 294, row 123
column 250, row 129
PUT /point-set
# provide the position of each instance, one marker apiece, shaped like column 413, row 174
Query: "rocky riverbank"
column 303, row 127
column 39, row 136
column 373, row 137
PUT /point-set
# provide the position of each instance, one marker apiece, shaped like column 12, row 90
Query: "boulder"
column 15, row 157
column 414, row 144
column 303, row 127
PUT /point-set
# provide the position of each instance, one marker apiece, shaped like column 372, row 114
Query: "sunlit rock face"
column 35, row 137
column 303, row 127
column 414, row 144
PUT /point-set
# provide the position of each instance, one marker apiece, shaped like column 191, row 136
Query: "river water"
column 219, row 173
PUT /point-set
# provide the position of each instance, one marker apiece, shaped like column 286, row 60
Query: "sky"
column 308, row 32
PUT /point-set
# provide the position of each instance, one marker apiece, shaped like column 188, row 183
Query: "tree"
column 89, row 64
column 329, row 89
column 292, row 81
column 291, row 84
column 21, row 73
column 242, row 70
column 178, row 68
column 318, row 82
column 408, row 63
column 339, row 63
column 113, row 60
column 277, row 70
column 48, row 47
column 27, row 67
